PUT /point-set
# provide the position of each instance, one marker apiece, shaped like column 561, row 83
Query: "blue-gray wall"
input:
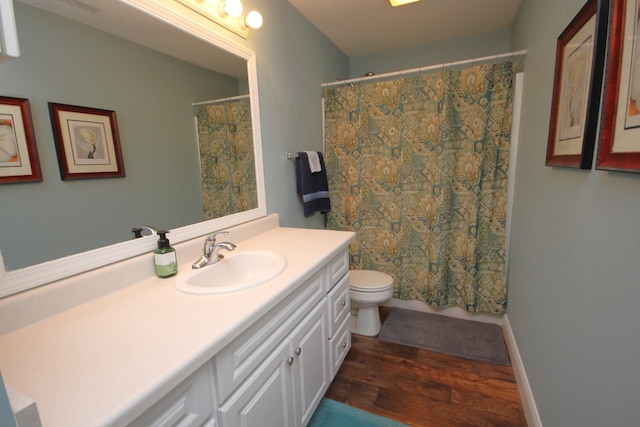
column 293, row 60
column 65, row 62
column 574, row 272
column 459, row 49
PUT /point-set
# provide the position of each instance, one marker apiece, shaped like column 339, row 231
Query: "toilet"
column 368, row 290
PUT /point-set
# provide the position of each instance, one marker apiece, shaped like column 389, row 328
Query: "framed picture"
column 619, row 146
column 580, row 60
column 87, row 142
column 18, row 153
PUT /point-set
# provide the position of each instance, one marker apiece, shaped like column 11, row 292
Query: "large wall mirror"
column 153, row 62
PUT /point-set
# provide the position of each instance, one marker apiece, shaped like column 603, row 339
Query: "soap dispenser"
column 164, row 257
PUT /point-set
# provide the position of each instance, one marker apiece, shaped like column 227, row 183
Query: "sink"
column 237, row 271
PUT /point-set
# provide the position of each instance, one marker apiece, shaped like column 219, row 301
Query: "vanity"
column 146, row 353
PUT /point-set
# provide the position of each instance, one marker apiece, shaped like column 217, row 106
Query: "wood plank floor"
column 426, row 389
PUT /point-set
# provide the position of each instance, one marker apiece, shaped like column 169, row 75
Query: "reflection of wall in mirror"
column 152, row 94
column 226, row 156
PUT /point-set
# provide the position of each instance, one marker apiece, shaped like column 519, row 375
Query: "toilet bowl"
column 368, row 290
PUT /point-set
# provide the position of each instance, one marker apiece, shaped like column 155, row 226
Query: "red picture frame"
column 577, row 88
column 619, row 145
column 18, row 152
column 87, row 142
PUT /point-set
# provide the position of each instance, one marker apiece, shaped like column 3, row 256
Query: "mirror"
column 163, row 192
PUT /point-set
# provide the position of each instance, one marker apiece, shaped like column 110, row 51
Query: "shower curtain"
column 418, row 168
column 225, row 140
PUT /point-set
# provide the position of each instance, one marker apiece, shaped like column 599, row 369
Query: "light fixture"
column 253, row 20
column 396, row 3
column 227, row 13
column 231, row 8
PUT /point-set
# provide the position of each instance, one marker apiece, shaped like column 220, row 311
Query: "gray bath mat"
column 456, row 337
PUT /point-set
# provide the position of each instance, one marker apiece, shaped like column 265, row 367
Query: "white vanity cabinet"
column 276, row 372
column 190, row 404
column 288, row 385
column 260, row 357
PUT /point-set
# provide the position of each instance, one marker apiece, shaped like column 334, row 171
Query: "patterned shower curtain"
column 225, row 140
column 418, row 168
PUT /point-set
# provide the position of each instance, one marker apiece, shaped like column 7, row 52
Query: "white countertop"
column 107, row 360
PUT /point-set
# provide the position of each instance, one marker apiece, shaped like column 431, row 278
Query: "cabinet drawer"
column 339, row 304
column 189, row 404
column 339, row 346
column 336, row 268
column 243, row 355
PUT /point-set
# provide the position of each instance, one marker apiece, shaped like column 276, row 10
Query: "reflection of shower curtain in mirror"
column 418, row 168
column 225, row 141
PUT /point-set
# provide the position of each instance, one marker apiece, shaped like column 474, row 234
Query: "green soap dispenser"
column 165, row 257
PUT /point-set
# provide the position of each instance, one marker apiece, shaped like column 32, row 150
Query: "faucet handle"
column 212, row 237
column 137, row 231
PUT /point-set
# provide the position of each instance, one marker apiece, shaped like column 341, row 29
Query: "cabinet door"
column 238, row 360
column 190, row 404
column 265, row 398
column 310, row 363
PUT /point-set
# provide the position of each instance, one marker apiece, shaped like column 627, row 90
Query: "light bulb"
column 396, row 3
column 253, row 19
column 233, row 7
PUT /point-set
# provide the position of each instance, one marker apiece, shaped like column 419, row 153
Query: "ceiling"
column 364, row 27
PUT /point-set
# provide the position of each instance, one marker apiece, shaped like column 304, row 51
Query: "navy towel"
column 312, row 187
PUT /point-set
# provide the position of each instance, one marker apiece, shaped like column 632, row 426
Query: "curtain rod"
column 428, row 68
column 215, row 101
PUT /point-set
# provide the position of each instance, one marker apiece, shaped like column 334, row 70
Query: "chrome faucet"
column 211, row 250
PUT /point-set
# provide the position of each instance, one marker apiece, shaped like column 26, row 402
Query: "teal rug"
column 335, row 414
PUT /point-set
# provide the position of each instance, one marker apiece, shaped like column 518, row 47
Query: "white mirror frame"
column 173, row 14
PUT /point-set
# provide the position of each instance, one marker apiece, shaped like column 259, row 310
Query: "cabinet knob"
column 343, row 303
column 290, row 361
column 344, row 344
column 298, row 351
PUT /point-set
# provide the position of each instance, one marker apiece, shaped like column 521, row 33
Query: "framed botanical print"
column 619, row 145
column 580, row 58
column 18, row 153
column 87, row 142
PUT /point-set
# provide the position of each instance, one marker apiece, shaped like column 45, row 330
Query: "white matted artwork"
column 87, row 142
column 619, row 145
column 18, row 153
column 580, row 58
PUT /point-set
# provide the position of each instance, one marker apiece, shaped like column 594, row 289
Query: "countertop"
column 104, row 362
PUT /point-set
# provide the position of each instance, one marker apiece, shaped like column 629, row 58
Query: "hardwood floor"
column 426, row 389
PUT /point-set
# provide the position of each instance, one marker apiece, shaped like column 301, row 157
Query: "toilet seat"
column 370, row 281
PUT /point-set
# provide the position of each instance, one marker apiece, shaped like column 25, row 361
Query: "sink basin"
column 237, row 271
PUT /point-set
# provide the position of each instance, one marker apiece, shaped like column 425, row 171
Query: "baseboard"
column 528, row 402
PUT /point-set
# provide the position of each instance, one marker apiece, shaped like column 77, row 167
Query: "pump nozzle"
column 163, row 242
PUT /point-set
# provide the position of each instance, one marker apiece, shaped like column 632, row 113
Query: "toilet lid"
column 369, row 280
